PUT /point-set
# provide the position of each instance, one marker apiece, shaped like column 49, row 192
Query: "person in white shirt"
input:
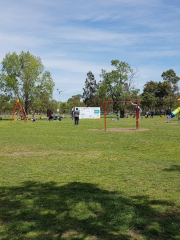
column 139, row 109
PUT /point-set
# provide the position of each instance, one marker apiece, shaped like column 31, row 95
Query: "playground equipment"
column 29, row 108
column 176, row 111
column 135, row 103
column 21, row 109
column 19, row 115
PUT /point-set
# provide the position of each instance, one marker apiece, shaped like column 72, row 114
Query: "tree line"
column 118, row 85
column 23, row 76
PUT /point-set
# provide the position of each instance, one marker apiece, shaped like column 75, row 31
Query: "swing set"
column 137, row 112
column 21, row 110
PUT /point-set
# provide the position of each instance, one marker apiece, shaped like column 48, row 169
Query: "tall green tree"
column 5, row 105
column 23, row 77
column 170, row 77
column 119, row 81
column 90, row 97
column 43, row 103
column 148, row 101
column 155, row 95
column 118, row 84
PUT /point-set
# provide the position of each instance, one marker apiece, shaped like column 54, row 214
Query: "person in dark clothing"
column 168, row 115
column 76, row 117
column 50, row 117
column 152, row 114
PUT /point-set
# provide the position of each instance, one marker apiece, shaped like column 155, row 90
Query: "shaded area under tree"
column 77, row 210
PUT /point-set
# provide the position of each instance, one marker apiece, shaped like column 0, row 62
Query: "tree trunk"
column 122, row 112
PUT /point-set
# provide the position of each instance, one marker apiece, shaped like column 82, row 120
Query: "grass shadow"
column 81, row 211
column 173, row 168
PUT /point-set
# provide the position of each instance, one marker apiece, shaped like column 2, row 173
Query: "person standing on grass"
column 76, row 117
column 168, row 115
column 152, row 113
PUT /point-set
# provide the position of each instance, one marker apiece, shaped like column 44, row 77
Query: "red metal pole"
column 20, row 110
column 137, row 117
column 105, row 115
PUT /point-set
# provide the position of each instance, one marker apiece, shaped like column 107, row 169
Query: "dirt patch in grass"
column 31, row 153
column 121, row 130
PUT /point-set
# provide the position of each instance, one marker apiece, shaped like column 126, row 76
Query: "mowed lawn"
column 60, row 181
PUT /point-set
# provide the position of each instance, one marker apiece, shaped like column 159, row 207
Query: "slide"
column 175, row 112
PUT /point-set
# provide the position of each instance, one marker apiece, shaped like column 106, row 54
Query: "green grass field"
column 58, row 181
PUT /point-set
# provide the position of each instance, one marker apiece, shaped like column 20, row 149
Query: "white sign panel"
column 89, row 112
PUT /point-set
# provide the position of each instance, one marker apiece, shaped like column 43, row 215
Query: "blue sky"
column 74, row 37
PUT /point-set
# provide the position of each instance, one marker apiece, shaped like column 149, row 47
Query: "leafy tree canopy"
column 23, row 77
column 155, row 94
column 76, row 101
column 170, row 76
column 90, row 91
column 119, row 81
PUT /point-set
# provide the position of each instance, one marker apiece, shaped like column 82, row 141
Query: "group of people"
column 168, row 114
column 149, row 113
column 75, row 115
column 51, row 117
